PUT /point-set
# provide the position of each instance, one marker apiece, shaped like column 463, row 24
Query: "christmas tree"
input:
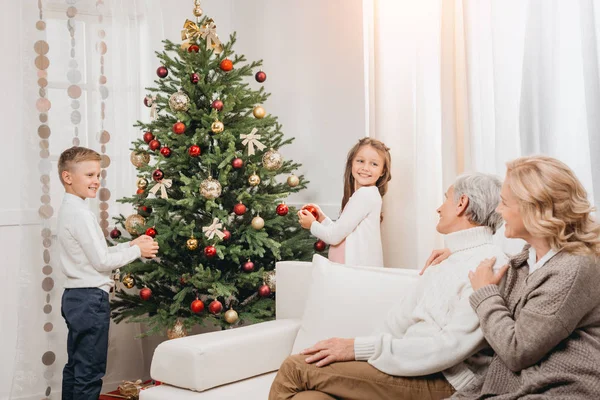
column 211, row 185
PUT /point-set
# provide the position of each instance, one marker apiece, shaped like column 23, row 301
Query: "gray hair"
column 483, row 191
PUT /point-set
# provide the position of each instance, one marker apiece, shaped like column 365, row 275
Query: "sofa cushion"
column 347, row 302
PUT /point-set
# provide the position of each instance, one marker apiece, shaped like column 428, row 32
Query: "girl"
column 355, row 238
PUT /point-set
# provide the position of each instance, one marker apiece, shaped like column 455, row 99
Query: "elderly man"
column 428, row 346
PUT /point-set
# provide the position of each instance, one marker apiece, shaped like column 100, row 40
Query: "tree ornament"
column 128, row 281
column 259, row 112
column 210, row 188
column 226, row 235
column 158, row 175
column 215, row 307
column 194, row 150
column 272, row 160
column 142, row 183
column 144, row 211
column 313, row 210
column 226, row 65
column 197, row 306
column 282, row 209
column 320, row 245
column 177, row 331
column 197, row 10
column 254, row 180
column 264, row 291
column 139, row 158
column 239, row 209
column 293, row 181
column 133, row 222
column 270, row 280
column 194, row 78
column 139, row 192
column 154, row 145
column 162, row 71
column 151, row 232
column 260, row 76
column 258, row 223
column 214, row 229
column 217, row 105
column 192, row 244
column 145, row 294
column 161, row 186
column 115, row 233
column 210, row 251
column 148, row 136
column 217, row 127
column 178, row 127
column 237, row 163
column 251, row 140
column 166, row 152
column 231, row 316
column 248, row 266
column 179, row 101
column 148, row 101
column 195, row 48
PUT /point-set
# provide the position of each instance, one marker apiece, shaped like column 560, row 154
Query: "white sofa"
column 315, row 301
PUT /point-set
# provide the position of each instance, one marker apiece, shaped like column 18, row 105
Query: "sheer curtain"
column 82, row 66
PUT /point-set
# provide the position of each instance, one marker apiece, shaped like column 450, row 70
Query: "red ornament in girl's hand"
column 215, row 307
column 151, row 232
column 320, row 245
column 312, row 210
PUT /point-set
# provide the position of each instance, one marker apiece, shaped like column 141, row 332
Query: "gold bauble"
column 254, row 180
column 258, row 223
column 272, row 160
column 192, row 244
column 259, row 112
column 128, row 281
column 134, row 221
column 293, row 181
column 179, row 101
column 197, row 11
column 177, row 331
column 139, row 159
column 142, row 183
column 269, row 278
column 210, row 188
column 231, row 316
column 217, row 127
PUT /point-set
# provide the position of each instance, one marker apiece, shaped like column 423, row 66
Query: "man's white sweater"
column 436, row 329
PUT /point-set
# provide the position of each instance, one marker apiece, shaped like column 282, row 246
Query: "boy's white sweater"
column 436, row 329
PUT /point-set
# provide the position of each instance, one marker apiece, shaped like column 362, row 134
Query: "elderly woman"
column 544, row 325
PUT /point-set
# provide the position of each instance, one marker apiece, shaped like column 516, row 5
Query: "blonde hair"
column 383, row 180
column 554, row 204
column 73, row 156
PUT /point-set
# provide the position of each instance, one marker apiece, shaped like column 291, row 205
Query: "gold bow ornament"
column 162, row 185
column 251, row 140
column 214, row 229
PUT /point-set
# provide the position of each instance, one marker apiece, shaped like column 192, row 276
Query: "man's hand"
column 331, row 350
column 305, row 219
column 147, row 245
column 436, row 257
column 484, row 274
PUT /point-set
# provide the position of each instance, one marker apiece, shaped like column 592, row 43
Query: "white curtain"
column 79, row 70
column 465, row 85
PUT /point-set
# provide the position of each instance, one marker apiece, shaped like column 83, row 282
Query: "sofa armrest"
column 203, row 361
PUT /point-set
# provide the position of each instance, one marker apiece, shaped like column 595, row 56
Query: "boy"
column 87, row 262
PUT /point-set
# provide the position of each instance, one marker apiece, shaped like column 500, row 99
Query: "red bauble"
column 237, row 163
column 194, row 78
column 148, row 136
column 178, row 127
column 162, row 72
column 260, row 76
column 226, row 235
column 151, row 232
column 215, row 307
column 217, row 105
column 312, row 210
column 264, row 291
column 248, row 266
column 154, row 145
column 210, row 251
column 193, row 48
column 115, row 233
column 165, row 151
column 158, row 175
column 145, row 294
column 148, row 101
column 239, row 209
column 144, row 211
column 320, row 245
column 226, row 65
column 139, row 191
column 282, row 209
column 197, row 306
column 194, row 150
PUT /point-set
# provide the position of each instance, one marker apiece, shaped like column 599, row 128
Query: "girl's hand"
column 305, row 219
column 331, row 350
column 436, row 257
column 322, row 215
column 484, row 274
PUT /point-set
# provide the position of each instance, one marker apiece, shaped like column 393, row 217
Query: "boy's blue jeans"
column 87, row 314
